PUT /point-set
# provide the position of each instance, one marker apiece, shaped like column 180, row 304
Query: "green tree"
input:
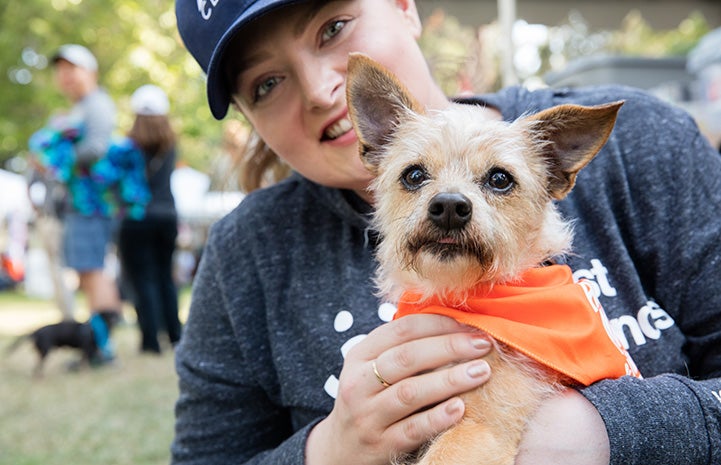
column 136, row 42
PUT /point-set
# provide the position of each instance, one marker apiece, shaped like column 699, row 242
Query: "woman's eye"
column 264, row 88
column 332, row 29
column 413, row 177
column 500, row 180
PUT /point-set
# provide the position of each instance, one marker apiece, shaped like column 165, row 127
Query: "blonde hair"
column 259, row 166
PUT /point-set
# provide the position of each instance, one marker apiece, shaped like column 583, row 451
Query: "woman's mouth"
column 337, row 129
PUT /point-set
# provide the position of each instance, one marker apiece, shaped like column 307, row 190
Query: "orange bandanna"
column 546, row 316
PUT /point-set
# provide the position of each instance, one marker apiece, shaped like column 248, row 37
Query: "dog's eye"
column 413, row 177
column 500, row 180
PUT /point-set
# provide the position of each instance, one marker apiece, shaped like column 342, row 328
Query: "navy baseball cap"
column 207, row 26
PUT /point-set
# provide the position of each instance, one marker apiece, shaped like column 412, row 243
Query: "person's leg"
column 136, row 255
column 102, row 295
column 86, row 241
column 165, row 242
column 100, row 290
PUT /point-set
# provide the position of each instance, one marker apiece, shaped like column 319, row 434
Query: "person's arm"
column 222, row 414
column 98, row 126
column 566, row 429
column 677, row 421
column 667, row 418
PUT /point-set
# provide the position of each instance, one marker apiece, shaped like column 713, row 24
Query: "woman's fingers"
column 399, row 386
column 417, row 356
column 408, row 328
column 415, row 430
column 400, row 401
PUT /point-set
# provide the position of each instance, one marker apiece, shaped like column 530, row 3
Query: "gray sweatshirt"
column 97, row 113
column 284, row 290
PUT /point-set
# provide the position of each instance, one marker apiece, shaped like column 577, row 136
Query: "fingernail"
column 454, row 407
column 478, row 369
column 480, row 342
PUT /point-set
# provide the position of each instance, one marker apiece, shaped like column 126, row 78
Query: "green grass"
column 113, row 415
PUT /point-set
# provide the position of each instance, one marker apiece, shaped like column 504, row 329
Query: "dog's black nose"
column 450, row 210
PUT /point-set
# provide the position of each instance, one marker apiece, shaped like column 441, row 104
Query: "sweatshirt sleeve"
column 667, row 419
column 227, row 411
column 670, row 418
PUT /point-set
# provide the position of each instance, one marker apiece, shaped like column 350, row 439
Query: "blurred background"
column 670, row 48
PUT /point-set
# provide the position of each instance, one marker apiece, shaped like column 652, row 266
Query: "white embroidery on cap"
column 206, row 11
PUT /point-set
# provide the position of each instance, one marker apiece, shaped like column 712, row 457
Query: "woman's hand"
column 426, row 360
column 565, row 429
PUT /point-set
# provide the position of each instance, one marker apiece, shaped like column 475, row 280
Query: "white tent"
column 13, row 195
column 194, row 201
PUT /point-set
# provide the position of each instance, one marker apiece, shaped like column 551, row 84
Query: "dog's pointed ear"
column 571, row 135
column 377, row 104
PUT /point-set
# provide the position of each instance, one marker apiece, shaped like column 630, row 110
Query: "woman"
column 286, row 343
column 147, row 243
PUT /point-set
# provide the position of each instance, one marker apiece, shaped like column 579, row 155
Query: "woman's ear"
column 409, row 13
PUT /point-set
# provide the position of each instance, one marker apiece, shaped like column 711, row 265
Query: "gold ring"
column 379, row 377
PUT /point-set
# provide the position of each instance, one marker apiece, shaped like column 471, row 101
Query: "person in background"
column 65, row 150
column 147, row 244
column 289, row 356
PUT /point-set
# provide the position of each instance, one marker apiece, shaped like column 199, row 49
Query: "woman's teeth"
column 338, row 129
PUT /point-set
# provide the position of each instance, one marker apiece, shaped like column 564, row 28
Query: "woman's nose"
column 321, row 83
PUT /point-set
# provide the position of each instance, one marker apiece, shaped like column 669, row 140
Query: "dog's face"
column 461, row 199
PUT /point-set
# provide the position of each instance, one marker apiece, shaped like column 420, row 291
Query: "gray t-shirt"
column 98, row 115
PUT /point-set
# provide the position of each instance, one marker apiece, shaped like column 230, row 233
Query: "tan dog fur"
column 458, row 150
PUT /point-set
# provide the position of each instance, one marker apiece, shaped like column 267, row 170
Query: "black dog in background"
column 66, row 334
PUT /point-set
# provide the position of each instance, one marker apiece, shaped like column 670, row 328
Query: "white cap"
column 149, row 100
column 77, row 55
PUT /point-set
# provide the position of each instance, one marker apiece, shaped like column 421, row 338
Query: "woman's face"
column 291, row 86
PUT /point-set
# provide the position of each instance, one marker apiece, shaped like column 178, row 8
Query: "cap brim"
column 218, row 92
column 80, row 57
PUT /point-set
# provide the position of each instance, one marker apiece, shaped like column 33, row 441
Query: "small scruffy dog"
column 464, row 209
